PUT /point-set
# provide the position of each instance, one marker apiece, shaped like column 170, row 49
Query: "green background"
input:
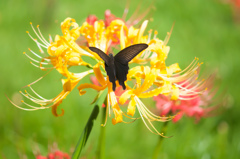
column 207, row 29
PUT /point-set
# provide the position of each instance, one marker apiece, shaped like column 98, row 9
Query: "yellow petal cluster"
column 149, row 78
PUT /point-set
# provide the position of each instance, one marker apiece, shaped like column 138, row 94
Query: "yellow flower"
column 63, row 53
column 143, row 81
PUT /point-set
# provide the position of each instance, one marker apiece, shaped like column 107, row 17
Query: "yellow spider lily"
column 143, row 81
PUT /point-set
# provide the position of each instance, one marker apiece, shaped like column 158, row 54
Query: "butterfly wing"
column 121, row 73
column 109, row 65
column 100, row 53
column 122, row 59
column 110, row 69
column 127, row 54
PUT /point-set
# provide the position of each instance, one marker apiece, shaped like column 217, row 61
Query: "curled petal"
column 87, row 85
column 54, row 110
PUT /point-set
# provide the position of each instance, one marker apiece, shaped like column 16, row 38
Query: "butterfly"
column 117, row 66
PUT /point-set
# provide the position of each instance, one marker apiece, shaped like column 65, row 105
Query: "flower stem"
column 101, row 144
column 159, row 144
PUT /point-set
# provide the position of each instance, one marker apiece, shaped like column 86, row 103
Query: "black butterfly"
column 117, row 66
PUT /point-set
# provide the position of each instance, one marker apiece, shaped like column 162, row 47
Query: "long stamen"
column 133, row 15
column 130, row 117
column 140, row 17
column 34, row 99
column 37, row 55
column 40, row 48
column 192, row 65
column 125, row 12
column 42, row 68
column 35, row 59
column 19, row 106
column 41, row 39
column 35, row 40
column 50, row 38
column 42, row 35
column 168, row 35
column 148, row 113
column 37, row 79
column 37, row 93
column 142, row 114
column 34, row 108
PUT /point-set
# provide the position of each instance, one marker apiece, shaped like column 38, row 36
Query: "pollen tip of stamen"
column 203, row 79
column 27, row 32
column 150, row 31
column 206, row 89
column 29, row 49
column 25, row 91
column 28, row 85
column 35, row 39
column 37, row 26
column 22, row 101
column 26, row 95
column 155, row 32
column 20, row 91
column 196, row 78
column 30, row 62
column 24, row 52
column 31, row 23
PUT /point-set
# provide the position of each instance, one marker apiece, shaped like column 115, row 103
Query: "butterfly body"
column 117, row 66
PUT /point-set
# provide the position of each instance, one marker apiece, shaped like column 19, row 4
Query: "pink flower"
column 109, row 17
column 236, row 3
column 91, row 19
column 56, row 155
column 197, row 106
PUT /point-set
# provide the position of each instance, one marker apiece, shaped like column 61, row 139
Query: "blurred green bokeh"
column 203, row 28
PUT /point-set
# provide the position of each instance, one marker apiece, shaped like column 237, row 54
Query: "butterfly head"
column 110, row 55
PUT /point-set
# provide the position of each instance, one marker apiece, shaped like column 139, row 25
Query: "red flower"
column 197, row 106
column 56, row 155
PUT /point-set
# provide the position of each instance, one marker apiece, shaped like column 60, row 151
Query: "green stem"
column 159, row 144
column 102, row 137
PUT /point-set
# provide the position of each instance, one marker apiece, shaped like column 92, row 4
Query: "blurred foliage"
column 203, row 28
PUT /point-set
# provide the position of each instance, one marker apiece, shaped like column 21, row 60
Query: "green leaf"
column 88, row 128
column 85, row 134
